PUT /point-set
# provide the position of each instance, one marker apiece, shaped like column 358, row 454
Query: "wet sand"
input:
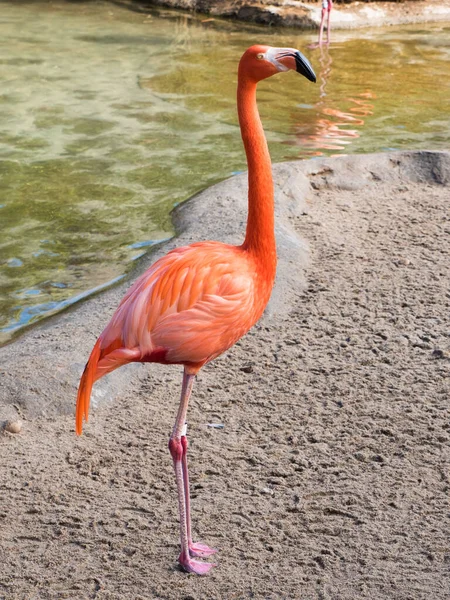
column 329, row 478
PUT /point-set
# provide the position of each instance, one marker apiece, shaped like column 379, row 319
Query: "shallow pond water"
column 109, row 118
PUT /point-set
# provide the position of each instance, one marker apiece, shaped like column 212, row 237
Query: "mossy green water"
column 108, row 118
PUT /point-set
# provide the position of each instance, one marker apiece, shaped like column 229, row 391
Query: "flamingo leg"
column 322, row 23
column 195, row 549
column 177, row 452
column 328, row 26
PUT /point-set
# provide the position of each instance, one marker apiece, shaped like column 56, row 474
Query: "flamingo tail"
column 85, row 388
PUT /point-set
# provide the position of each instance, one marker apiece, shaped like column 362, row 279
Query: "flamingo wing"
column 191, row 305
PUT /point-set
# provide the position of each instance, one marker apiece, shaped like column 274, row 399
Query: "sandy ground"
column 330, row 477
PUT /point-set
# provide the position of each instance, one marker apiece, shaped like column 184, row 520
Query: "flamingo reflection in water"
column 330, row 131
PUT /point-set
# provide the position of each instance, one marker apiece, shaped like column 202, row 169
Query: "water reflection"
column 333, row 129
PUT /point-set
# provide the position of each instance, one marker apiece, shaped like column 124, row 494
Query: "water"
column 109, row 118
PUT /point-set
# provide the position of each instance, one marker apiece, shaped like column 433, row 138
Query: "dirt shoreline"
column 330, row 478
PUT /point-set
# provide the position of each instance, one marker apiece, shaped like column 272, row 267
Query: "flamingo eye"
column 260, row 56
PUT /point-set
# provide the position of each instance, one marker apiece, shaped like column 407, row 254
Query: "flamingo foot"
column 194, row 566
column 199, row 549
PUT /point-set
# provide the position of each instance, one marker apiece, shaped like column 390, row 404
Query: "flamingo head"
column 260, row 62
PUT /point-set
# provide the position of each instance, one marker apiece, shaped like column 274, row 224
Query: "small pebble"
column 402, row 262
column 440, row 353
column 13, row 426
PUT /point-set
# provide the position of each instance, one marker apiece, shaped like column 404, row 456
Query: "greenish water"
column 108, row 118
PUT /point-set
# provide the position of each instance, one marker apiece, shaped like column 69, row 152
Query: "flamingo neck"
column 260, row 235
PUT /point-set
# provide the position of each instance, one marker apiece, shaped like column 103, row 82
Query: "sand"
column 330, row 476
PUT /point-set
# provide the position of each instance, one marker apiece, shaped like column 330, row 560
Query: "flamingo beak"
column 293, row 59
column 303, row 66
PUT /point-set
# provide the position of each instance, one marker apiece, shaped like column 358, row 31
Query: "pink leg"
column 177, row 451
column 328, row 27
column 195, row 549
column 322, row 23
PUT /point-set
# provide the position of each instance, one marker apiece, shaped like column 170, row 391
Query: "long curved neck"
column 260, row 235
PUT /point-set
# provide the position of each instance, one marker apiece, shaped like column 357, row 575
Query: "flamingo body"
column 188, row 308
column 198, row 300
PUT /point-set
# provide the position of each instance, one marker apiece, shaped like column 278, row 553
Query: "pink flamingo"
column 198, row 300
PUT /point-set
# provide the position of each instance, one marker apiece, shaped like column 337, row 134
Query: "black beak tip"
column 304, row 67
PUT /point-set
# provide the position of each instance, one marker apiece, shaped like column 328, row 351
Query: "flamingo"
column 327, row 5
column 195, row 302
